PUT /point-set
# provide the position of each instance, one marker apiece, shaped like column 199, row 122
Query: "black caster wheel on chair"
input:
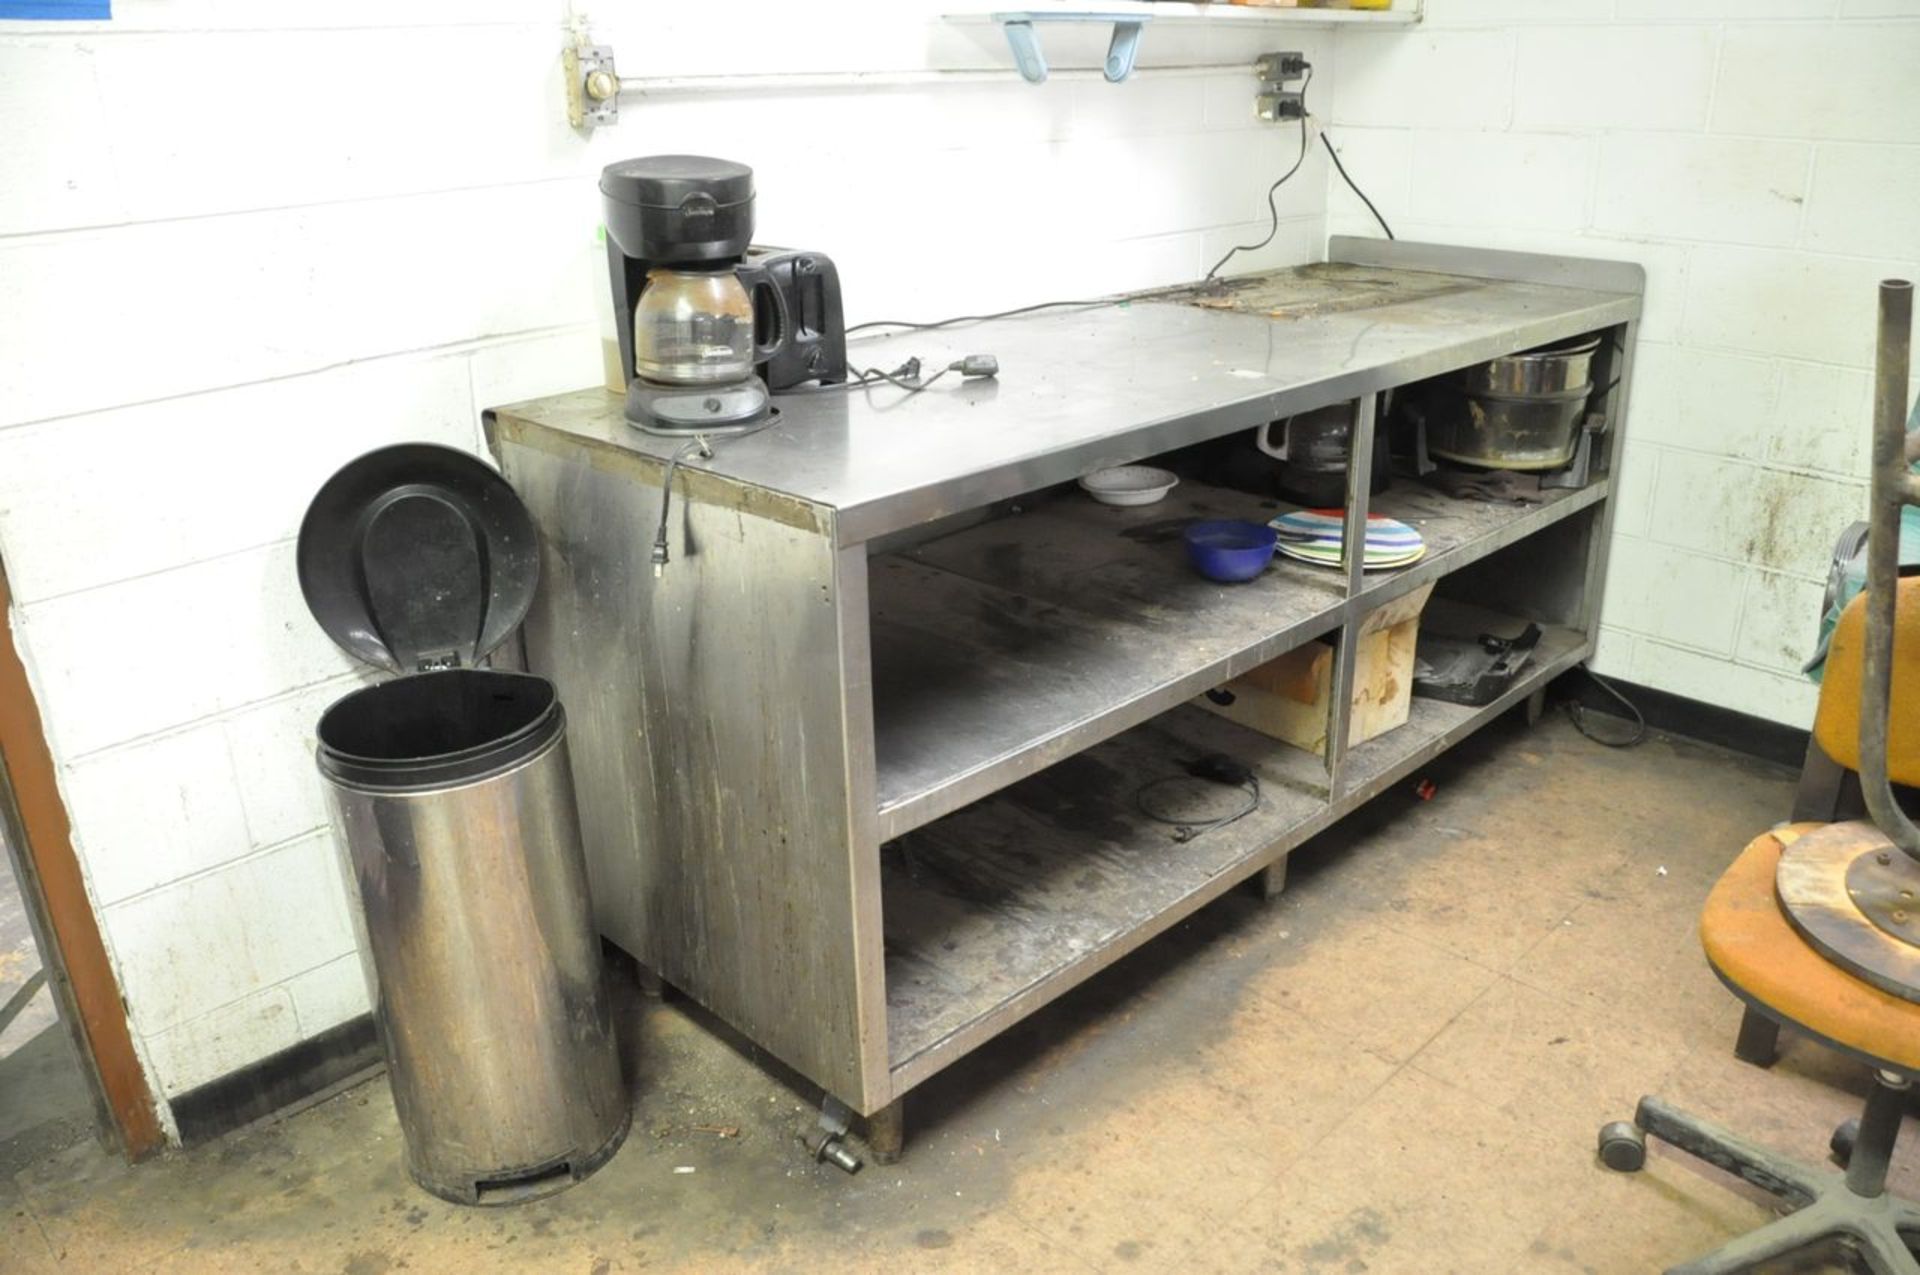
column 1623, row 1148
column 1841, row 1143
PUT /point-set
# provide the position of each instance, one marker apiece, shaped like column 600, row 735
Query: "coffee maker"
column 710, row 326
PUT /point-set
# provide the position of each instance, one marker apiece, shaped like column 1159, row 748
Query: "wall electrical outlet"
column 1277, row 68
column 1280, row 106
column 1275, row 102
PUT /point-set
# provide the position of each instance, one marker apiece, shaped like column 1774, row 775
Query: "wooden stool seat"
column 1764, row 961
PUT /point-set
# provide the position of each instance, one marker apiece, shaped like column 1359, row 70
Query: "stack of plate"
column 1316, row 535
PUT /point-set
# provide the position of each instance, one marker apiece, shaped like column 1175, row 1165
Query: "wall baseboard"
column 279, row 1084
column 1694, row 719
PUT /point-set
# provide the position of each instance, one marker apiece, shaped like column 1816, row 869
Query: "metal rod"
column 1353, row 539
column 1359, row 492
column 1891, row 490
column 853, row 81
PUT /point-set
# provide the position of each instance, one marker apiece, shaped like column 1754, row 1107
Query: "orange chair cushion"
column 1837, row 722
column 1757, row 951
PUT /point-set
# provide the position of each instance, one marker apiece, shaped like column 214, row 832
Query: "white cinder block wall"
column 241, row 244
column 1762, row 159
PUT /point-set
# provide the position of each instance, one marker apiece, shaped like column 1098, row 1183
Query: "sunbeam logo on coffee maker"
column 709, row 325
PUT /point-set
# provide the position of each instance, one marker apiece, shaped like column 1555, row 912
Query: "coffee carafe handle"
column 760, row 282
column 1260, row 433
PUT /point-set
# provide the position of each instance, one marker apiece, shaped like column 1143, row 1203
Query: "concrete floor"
column 1398, row 1066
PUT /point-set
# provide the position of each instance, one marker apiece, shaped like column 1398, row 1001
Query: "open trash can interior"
column 454, row 806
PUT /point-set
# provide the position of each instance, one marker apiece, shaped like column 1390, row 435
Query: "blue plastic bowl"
column 1230, row 551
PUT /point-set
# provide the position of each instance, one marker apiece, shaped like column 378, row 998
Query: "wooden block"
column 1286, row 697
column 1300, row 675
column 1383, row 684
column 1407, row 606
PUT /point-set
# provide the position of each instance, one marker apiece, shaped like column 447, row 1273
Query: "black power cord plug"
column 908, row 376
column 1221, row 769
column 1277, row 68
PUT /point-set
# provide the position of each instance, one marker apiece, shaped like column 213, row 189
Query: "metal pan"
column 1521, row 411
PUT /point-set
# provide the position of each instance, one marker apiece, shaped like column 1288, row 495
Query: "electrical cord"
column 701, row 446
column 1353, row 185
column 1273, row 210
column 1273, row 215
column 1091, row 302
column 857, row 379
column 705, row 450
column 1577, row 714
column 1188, row 829
column 906, row 376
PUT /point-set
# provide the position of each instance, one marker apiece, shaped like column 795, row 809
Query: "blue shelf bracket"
column 1122, row 49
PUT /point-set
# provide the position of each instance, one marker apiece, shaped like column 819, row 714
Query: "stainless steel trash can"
column 454, row 809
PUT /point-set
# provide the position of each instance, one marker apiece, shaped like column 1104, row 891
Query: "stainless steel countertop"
column 1079, row 390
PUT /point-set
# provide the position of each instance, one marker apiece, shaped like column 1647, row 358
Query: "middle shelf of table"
column 1005, row 646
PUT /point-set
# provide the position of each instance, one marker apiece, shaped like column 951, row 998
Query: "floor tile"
column 23, row 1245
column 98, row 1213
column 1633, row 954
column 1420, row 1177
column 1214, row 1127
column 1367, row 981
column 1556, row 1065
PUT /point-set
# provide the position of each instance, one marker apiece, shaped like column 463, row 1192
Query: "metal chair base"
column 1851, row 1208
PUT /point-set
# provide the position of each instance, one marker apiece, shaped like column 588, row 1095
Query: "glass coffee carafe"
column 693, row 327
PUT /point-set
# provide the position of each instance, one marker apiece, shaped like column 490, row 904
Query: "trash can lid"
column 418, row 557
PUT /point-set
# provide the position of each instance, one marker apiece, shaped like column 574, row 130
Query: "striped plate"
column 1316, row 535
column 1332, row 558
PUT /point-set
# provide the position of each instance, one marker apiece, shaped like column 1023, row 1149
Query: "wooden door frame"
column 40, row 838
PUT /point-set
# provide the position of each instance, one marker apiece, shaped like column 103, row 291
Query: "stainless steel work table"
column 857, row 768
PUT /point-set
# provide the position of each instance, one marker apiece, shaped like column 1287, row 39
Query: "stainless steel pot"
column 1520, row 411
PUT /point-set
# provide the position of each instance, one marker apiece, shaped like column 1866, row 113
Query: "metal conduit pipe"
column 853, row 81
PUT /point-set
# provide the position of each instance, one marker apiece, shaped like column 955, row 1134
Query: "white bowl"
column 1129, row 485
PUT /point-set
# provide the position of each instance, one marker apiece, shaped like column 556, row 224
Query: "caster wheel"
column 1623, row 1148
column 1841, row 1143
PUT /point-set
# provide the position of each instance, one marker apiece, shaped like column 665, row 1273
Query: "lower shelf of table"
column 1000, row 907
